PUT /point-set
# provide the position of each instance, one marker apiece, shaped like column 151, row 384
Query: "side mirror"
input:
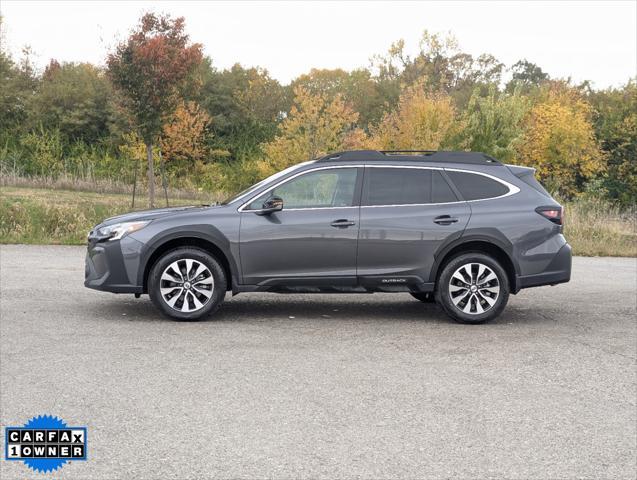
column 272, row 204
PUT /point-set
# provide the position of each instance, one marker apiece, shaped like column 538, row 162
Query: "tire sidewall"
column 442, row 292
column 218, row 274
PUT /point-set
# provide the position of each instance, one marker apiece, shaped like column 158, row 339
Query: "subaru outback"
column 457, row 228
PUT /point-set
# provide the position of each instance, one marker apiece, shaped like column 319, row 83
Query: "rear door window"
column 397, row 186
column 476, row 187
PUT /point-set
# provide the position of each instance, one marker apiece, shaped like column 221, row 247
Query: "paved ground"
column 366, row 386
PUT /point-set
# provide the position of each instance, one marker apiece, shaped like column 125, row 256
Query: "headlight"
column 118, row 230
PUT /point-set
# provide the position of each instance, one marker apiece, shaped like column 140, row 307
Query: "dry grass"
column 46, row 216
column 598, row 228
column 64, row 182
column 54, row 216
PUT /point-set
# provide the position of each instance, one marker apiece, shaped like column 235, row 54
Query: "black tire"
column 424, row 297
column 215, row 276
column 476, row 300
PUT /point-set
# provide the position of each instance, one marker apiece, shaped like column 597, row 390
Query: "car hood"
column 149, row 214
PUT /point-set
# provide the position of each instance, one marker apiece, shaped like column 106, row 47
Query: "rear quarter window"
column 476, row 187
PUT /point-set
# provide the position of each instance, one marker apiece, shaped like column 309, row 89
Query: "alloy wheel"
column 474, row 288
column 186, row 285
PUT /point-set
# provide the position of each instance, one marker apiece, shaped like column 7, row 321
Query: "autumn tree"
column 560, row 142
column 356, row 88
column 183, row 139
column 423, row 120
column 439, row 63
column 315, row 126
column 150, row 68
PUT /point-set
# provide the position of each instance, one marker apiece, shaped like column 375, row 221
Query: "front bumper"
column 558, row 271
column 112, row 266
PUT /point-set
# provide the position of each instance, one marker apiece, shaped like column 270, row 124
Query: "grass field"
column 46, row 216
column 597, row 228
column 54, row 216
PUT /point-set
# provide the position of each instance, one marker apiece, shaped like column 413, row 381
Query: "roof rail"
column 408, row 152
column 356, row 155
column 411, row 155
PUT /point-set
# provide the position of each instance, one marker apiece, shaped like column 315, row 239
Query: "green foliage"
column 245, row 105
column 494, row 122
column 526, row 76
column 232, row 177
column 17, row 84
column 74, row 99
column 616, row 128
column 43, row 152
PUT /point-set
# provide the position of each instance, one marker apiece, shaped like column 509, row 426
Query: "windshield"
column 256, row 186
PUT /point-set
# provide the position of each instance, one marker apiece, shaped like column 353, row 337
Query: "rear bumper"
column 558, row 271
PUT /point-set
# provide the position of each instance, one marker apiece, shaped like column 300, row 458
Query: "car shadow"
column 258, row 308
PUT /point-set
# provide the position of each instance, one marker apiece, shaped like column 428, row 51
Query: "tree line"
column 223, row 129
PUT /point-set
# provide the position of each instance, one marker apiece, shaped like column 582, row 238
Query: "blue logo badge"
column 45, row 443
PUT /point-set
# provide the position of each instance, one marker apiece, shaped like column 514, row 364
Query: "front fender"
column 203, row 232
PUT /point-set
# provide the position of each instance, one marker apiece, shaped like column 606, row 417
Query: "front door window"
column 328, row 188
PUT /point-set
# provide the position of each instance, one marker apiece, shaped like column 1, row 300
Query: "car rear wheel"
column 473, row 288
column 187, row 284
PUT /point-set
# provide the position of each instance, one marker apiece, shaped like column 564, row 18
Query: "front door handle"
column 342, row 223
column 445, row 220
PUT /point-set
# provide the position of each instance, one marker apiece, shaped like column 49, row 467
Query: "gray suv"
column 457, row 228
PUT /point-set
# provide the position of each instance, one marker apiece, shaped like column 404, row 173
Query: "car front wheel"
column 473, row 288
column 187, row 284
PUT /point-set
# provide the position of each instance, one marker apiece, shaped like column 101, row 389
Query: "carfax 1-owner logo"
column 45, row 443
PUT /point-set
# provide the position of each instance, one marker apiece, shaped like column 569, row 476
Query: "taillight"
column 554, row 214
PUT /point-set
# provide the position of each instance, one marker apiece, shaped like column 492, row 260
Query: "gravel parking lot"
column 325, row 386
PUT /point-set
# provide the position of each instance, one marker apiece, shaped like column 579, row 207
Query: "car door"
column 407, row 213
column 312, row 240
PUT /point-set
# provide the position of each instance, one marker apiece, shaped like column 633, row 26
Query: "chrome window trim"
column 310, row 208
column 512, row 188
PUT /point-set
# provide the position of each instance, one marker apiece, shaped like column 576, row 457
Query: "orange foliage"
column 183, row 137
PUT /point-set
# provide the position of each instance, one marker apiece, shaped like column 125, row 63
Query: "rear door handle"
column 445, row 220
column 342, row 223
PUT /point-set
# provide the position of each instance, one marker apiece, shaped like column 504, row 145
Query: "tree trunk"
column 151, row 175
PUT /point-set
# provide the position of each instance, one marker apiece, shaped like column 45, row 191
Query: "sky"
column 584, row 40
